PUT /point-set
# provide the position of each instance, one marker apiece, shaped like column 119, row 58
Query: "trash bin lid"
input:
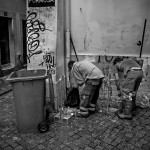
column 25, row 75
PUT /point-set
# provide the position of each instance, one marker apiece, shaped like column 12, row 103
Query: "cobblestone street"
column 98, row 131
column 74, row 75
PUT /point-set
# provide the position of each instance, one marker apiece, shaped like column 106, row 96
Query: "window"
column 4, row 41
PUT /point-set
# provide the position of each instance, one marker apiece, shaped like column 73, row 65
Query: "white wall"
column 110, row 27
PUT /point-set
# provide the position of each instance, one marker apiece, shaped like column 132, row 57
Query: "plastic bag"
column 142, row 100
column 73, row 98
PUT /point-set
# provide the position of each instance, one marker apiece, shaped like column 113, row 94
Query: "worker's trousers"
column 130, row 86
column 90, row 93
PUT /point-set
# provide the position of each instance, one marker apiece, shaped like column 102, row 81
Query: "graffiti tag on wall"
column 41, row 37
column 34, row 26
column 49, row 61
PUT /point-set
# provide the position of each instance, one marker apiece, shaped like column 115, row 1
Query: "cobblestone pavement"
column 98, row 131
column 4, row 86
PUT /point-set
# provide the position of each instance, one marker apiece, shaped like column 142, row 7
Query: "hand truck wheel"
column 43, row 127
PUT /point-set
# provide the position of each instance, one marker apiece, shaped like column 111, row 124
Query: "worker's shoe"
column 83, row 114
column 120, row 108
column 125, row 116
column 91, row 108
column 127, row 113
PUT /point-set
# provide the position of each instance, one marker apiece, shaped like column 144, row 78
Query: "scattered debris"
column 15, row 138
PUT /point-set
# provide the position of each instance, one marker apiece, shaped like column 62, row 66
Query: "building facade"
column 12, row 33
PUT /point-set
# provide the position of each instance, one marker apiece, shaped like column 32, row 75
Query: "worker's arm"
column 72, row 81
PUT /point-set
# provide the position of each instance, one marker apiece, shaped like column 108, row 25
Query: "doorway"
column 4, row 41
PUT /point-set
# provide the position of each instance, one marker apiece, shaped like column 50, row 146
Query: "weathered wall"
column 16, row 6
column 110, row 27
column 41, row 37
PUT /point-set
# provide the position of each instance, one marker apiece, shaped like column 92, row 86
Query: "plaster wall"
column 16, row 6
column 41, row 38
column 110, row 27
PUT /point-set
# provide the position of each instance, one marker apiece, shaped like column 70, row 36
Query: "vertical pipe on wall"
column 68, row 44
column 67, row 15
column 67, row 20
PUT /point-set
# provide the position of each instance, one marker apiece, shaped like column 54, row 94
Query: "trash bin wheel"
column 43, row 127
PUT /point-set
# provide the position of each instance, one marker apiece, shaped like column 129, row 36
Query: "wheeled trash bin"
column 29, row 96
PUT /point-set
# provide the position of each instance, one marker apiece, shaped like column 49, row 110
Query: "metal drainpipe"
column 67, row 17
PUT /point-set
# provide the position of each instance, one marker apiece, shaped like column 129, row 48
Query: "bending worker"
column 133, row 74
column 87, row 74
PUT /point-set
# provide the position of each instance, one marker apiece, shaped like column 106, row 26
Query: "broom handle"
column 143, row 38
column 74, row 48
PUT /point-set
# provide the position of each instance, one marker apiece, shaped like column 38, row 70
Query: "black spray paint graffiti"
column 49, row 61
column 34, row 27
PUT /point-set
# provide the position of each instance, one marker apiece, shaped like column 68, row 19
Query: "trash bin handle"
column 8, row 77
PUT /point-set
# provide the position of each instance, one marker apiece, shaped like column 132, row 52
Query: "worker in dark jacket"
column 132, row 71
column 89, row 76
